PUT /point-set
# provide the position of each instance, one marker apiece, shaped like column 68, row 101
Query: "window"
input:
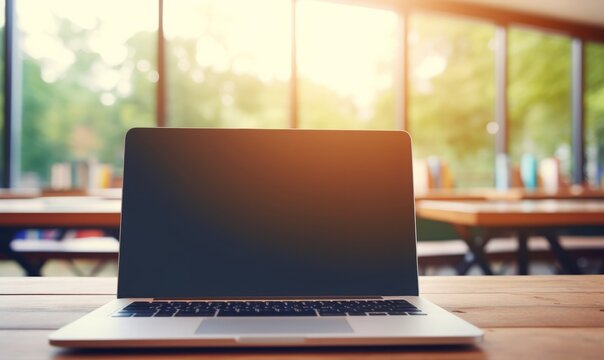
column 594, row 113
column 346, row 59
column 228, row 63
column 539, row 96
column 2, row 17
column 451, row 95
column 88, row 75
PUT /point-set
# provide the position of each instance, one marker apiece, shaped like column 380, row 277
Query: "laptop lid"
column 234, row 213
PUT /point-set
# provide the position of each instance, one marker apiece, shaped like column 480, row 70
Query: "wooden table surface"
column 61, row 212
column 75, row 211
column 572, row 193
column 513, row 194
column 530, row 317
column 514, row 213
column 524, row 218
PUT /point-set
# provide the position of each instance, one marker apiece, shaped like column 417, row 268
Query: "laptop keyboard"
column 268, row 308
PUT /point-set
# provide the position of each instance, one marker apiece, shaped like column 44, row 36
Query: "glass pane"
column 228, row 62
column 2, row 9
column 539, row 97
column 451, row 98
column 594, row 114
column 346, row 59
column 88, row 75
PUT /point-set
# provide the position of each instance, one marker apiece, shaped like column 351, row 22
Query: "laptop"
column 247, row 238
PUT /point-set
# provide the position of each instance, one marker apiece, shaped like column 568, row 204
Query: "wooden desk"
column 55, row 213
column 453, row 194
column 513, row 194
column 31, row 193
column 572, row 193
column 543, row 217
column 533, row 317
column 19, row 193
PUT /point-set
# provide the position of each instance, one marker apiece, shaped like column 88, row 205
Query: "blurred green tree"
column 451, row 95
column 539, row 95
column 69, row 118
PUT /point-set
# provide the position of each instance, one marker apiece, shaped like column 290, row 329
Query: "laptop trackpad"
column 273, row 326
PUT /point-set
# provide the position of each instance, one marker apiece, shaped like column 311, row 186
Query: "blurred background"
column 496, row 94
column 89, row 71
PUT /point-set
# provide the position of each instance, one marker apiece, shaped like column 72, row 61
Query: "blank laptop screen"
column 216, row 213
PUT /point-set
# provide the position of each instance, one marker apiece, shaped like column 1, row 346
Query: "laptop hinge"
column 271, row 298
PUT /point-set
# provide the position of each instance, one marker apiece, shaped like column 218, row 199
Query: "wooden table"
column 572, row 193
column 94, row 212
column 532, row 317
column 512, row 194
column 478, row 221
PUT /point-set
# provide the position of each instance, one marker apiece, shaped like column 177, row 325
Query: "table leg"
column 466, row 264
column 479, row 257
column 32, row 269
column 569, row 265
column 6, row 236
column 523, row 254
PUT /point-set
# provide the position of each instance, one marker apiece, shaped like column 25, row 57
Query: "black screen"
column 218, row 213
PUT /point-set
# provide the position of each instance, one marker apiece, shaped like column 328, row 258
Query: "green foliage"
column 64, row 119
column 594, row 97
column 450, row 110
column 539, row 94
column 204, row 97
column 322, row 108
column 594, row 112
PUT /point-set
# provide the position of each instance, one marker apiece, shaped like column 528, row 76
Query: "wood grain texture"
column 428, row 284
column 483, row 310
column 514, row 213
column 74, row 219
column 502, row 343
column 46, row 312
column 57, row 285
column 548, row 317
column 514, row 194
column 60, row 211
column 511, row 284
column 542, row 194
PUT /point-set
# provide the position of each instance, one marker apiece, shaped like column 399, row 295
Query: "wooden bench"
column 38, row 252
column 447, row 253
column 452, row 252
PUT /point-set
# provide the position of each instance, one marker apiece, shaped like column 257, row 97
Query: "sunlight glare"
column 430, row 67
column 349, row 49
column 251, row 37
column 106, row 30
